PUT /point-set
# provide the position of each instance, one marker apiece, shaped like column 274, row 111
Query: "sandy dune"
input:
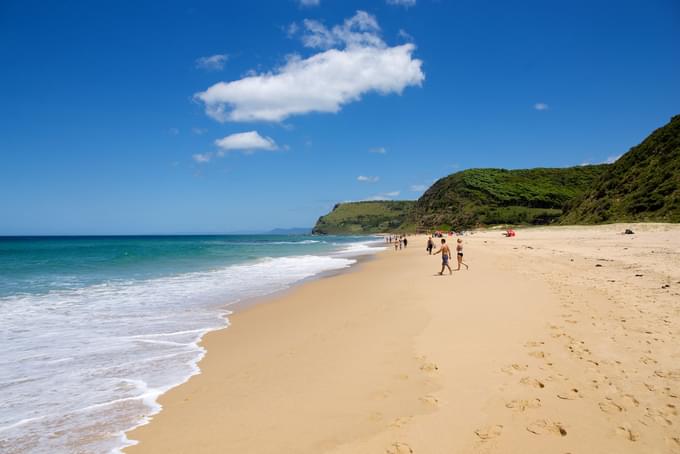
column 559, row 340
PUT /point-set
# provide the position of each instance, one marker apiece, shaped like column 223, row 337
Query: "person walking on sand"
column 405, row 242
column 459, row 253
column 430, row 245
column 446, row 254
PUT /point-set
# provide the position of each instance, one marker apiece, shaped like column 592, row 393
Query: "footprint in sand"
column 538, row 354
column 610, row 407
column 528, row 381
column 648, row 360
column 399, row 448
column 514, row 368
column 673, row 442
column 401, row 421
column 627, row 401
column 547, row 427
column 489, row 432
column 522, row 405
column 627, row 432
column 569, row 394
column 429, row 367
column 534, row 344
column 671, row 374
column 663, row 416
column 430, row 400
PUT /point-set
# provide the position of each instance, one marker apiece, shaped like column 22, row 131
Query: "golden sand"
column 558, row 340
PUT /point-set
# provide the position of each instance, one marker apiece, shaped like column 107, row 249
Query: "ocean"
column 94, row 329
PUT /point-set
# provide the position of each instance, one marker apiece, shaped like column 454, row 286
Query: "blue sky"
column 201, row 117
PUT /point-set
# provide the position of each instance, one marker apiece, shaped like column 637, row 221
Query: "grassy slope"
column 642, row 185
column 497, row 196
column 364, row 217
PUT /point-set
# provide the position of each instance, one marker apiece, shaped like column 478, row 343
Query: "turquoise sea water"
column 94, row 329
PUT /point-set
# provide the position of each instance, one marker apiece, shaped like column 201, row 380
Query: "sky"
column 127, row 117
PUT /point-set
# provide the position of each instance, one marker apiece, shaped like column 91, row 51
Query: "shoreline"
column 524, row 353
column 228, row 310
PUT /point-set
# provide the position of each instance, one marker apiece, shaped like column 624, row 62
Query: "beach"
column 561, row 339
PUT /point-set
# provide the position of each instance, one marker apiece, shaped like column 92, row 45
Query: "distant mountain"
column 642, row 185
column 291, row 231
column 364, row 217
column 476, row 197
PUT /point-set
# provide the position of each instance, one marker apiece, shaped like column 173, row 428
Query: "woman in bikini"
column 459, row 250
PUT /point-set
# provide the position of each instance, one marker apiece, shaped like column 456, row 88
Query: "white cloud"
column 309, row 2
column 384, row 196
column 405, row 3
column 612, row 159
column 202, row 157
column 418, row 187
column 541, row 106
column 248, row 142
column 362, row 29
column 198, row 131
column 368, row 179
column 360, row 63
column 378, row 150
column 212, row 63
column 405, row 35
column 292, row 29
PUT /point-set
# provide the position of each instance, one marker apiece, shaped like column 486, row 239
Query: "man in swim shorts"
column 446, row 255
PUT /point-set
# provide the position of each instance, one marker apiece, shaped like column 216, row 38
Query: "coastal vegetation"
column 364, row 217
column 642, row 185
column 476, row 197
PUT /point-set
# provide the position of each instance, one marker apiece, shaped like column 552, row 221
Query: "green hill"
column 642, row 185
column 363, row 217
column 497, row 196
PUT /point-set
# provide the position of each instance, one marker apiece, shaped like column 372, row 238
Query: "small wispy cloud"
column 212, row 63
column 368, row 179
column 541, row 106
column 418, row 187
column 609, row 160
column 405, row 35
column 291, row 30
column 247, row 142
column 309, row 2
column 244, row 142
column 384, row 196
column 378, row 150
column 198, row 131
column 173, row 131
column 202, row 158
column 405, row 3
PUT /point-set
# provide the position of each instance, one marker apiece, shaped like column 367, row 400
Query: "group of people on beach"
column 399, row 241
column 445, row 251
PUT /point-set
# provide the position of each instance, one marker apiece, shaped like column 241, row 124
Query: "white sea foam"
column 360, row 248
column 74, row 361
